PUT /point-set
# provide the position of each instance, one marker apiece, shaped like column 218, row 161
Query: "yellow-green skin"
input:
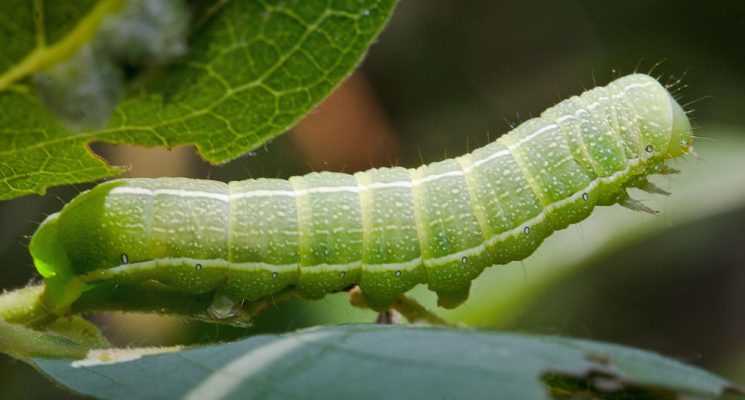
column 385, row 230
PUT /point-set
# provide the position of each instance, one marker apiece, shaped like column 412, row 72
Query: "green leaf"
column 253, row 69
column 375, row 361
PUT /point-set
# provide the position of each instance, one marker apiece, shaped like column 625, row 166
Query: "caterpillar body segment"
column 385, row 230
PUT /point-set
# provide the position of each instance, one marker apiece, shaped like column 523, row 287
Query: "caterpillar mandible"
column 385, row 230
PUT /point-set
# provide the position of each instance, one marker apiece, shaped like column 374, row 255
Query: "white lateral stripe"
column 219, row 263
column 134, row 190
column 279, row 193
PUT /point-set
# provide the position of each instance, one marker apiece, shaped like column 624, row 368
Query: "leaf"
column 253, row 69
column 376, row 361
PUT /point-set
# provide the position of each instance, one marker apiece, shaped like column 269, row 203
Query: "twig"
column 408, row 307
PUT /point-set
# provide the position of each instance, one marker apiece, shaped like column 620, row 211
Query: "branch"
column 408, row 307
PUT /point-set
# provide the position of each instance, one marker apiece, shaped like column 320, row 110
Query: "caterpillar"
column 385, row 230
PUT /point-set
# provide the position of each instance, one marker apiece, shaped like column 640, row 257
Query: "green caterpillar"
column 385, row 230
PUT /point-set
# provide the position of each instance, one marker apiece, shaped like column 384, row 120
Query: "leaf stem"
column 406, row 306
column 21, row 342
column 415, row 312
column 23, row 305
column 42, row 56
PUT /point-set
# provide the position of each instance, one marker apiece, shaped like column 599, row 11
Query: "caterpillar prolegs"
column 385, row 230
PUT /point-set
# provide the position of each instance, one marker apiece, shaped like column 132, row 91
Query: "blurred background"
column 448, row 76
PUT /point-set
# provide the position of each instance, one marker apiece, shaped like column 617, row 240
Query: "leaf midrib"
column 42, row 56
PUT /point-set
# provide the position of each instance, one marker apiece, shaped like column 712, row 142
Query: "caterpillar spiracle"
column 385, row 230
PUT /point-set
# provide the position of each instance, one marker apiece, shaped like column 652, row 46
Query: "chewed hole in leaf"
column 598, row 386
column 185, row 104
column 513, row 366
